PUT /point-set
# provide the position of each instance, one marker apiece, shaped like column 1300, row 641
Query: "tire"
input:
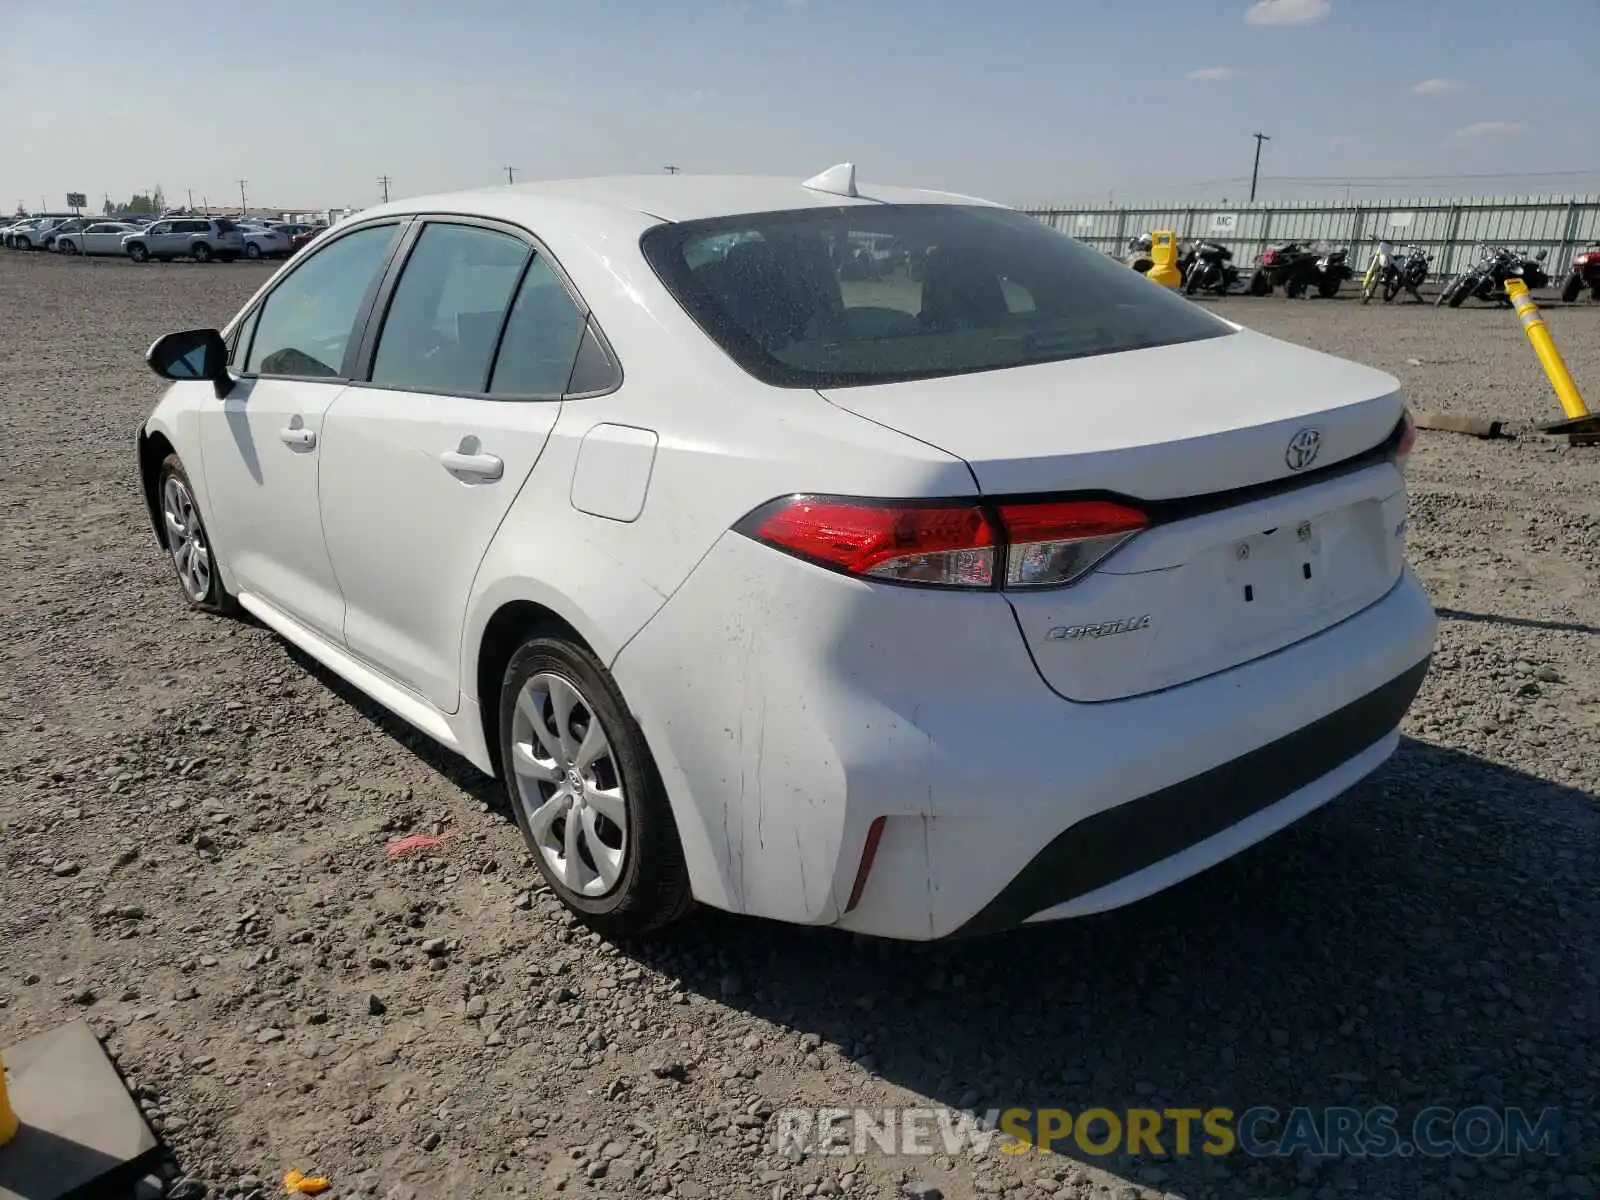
column 1294, row 289
column 1369, row 285
column 1329, row 288
column 1458, row 294
column 1192, row 284
column 1391, row 288
column 1260, row 284
column 252, row 251
column 22, row 242
column 649, row 884
column 187, row 542
column 200, row 252
column 1571, row 290
column 66, row 247
column 139, row 252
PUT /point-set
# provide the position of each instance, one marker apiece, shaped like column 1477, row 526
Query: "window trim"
column 363, row 312
column 377, row 314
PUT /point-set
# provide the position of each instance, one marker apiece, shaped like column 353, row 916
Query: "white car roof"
column 674, row 197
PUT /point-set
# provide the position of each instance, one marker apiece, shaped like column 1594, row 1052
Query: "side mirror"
column 192, row 354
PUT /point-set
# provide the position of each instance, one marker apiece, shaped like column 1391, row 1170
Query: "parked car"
column 100, row 238
column 9, row 230
column 265, row 242
column 199, row 238
column 36, row 233
column 300, row 235
column 771, row 595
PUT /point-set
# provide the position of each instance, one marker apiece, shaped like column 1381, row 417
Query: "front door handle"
column 298, row 437
column 479, row 466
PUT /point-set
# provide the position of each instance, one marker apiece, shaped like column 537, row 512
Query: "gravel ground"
column 194, row 821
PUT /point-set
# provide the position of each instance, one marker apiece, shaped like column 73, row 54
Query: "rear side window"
column 440, row 332
column 541, row 338
column 863, row 294
column 224, row 226
column 306, row 321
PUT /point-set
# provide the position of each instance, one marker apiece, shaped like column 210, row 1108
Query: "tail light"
column 1405, row 437
column 1269, row 257
column 940, row 544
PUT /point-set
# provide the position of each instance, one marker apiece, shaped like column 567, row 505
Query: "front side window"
column 541, row 338
column 440, row 331
column 306, row 322
column 864, row 294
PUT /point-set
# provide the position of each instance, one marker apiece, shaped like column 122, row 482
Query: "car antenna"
column 838, row 180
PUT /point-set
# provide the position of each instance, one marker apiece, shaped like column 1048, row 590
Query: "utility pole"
column 242, row 182
column 670, row 170
column 383, row 182
column 1256, row 170
column 511, row 174
column 191, row 198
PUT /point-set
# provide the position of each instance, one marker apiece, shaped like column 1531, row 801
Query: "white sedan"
column 264, row 241
column 101, row 238
column 1015, row 590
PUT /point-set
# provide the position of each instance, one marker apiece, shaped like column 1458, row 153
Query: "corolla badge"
column 1100, row 629
column 1303, row 447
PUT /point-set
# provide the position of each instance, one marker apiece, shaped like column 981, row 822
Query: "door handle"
column 298, row 437
column 480, row 466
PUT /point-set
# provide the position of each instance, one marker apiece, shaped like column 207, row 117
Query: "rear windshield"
column 834, row 297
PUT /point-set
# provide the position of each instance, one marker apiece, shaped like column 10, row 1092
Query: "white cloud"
column 1480, row 131
column 1435, row 87
column 1287, row 12
column 1212, row 74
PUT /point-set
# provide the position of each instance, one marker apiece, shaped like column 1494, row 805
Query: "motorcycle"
column 1487, row 279
column 1208, row 266
column 1395, row 272
column 1585, row 273
column 1297, row 268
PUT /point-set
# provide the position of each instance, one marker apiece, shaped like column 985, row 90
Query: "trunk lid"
column 1252, row 546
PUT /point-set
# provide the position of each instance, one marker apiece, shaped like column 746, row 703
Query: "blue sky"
column 1019, row 100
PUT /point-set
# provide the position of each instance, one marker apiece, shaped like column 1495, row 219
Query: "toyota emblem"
column 1302, row 451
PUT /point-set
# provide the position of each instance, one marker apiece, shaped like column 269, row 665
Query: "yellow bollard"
column 1545, row 347
column 1164, row 254
column 8, row 1119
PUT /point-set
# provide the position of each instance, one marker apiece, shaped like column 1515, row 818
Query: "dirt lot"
column 194, row 820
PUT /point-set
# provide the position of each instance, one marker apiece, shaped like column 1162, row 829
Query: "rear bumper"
column 789, row 709
column 1124, row 853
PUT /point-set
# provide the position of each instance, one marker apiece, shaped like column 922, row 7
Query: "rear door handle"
column 298, row 437
column 480, row 466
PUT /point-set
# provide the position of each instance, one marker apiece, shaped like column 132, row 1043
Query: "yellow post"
column 1545, row 347
column 1164, row 255
column 8, row 1119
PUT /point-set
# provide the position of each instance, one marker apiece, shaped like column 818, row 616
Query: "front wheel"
column 22, row 243
column 201, row 252
column 586, row 793
column 139, row 252
column 252, row 251
column 1458, row 293
column 66, row 247
column 1572, row 289
column 1329, row 288
column 188, row 544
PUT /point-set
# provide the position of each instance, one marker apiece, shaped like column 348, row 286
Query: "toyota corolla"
column 992, row 585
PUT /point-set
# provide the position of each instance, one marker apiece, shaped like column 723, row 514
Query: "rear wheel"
column 1329, row 288
column 200, row 252
column 1572, row 288
column 139, row 252
column 586, row 793
column 1391, row 288
column 252, row 251
column 1260, row 284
